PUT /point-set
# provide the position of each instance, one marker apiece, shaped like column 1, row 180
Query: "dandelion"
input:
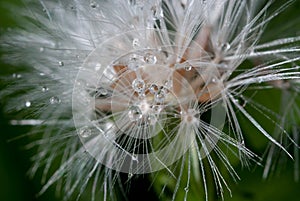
column 151, row 88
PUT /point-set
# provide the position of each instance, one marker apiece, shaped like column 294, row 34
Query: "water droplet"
column 134, row 113
column 150, row 58
column 102, row 91
column 235, row 100
column 93, row 4
column 153, row 88
column 42, row 49
column 138, row 85
column 133, row 58
column 85, row 132
column 45, row 89
column 188, row 67
column 133, row 63
column 130, row 175
column 27, row 103
column 214, row 79
column 225, row 47
column 156, row 109
column 61, row 63
column 157, row 12
column 137, row 3
column 15, row 75
column 151, row 119
column 186, row 189
column 160, row 95
column 135, row 43
column 134, row 157
column 168, row 84
column 97, row 67
column 54, row 100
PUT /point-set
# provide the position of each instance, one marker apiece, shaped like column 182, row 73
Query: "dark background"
column 15, row 160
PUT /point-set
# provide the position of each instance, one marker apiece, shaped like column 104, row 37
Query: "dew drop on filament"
column 225, row 46
column 188, row 67
column 156, row 109
column 138, row 85
column 54, row 100
column 133, row 63
column 134, row 113
column 27, row 103
column 93, row 4
column 134, row 158
column 157, row 12
column 85, row 132
column 45, row 89
column 135, row 43
column 97, row 67
column 160, row 95
column 16, row 75
column 153, row 88
column 61, row 63
column 150, row 58
column 103, row 92
column 151, row 119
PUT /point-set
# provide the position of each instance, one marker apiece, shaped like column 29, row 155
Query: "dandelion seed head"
column 143, row 86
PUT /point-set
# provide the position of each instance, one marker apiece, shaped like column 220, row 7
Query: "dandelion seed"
column 148, row 87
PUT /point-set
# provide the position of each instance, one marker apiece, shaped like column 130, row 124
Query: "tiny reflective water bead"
column 214, row 79
column 157, row 12
column 188, row 67
column 135, row 43
column 134, row 157
column 85, row 132
column 168, row 83
column 15, row 75
column 93, row 4
column 151, row 119
column 45, row 89
column 54, row 100
column 133, row 63
column 138, row 85
column 134, row 113
column 160, row 95
column 153, row 88
column 102, row 91
column 149, row 58
column 225, row 46
column 97, row 67
column 156, row 109
column 27, row 103
column 61, row 63
column 130, row 175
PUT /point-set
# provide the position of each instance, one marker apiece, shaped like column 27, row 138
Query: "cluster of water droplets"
column 151, row 101
column 152, row 9
column 135, row 61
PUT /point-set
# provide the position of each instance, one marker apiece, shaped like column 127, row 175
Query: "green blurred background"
column 15, row 160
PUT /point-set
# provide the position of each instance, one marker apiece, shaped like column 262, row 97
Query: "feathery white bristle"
column 143, row 86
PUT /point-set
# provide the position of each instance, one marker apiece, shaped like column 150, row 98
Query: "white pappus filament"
column 140, row 87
